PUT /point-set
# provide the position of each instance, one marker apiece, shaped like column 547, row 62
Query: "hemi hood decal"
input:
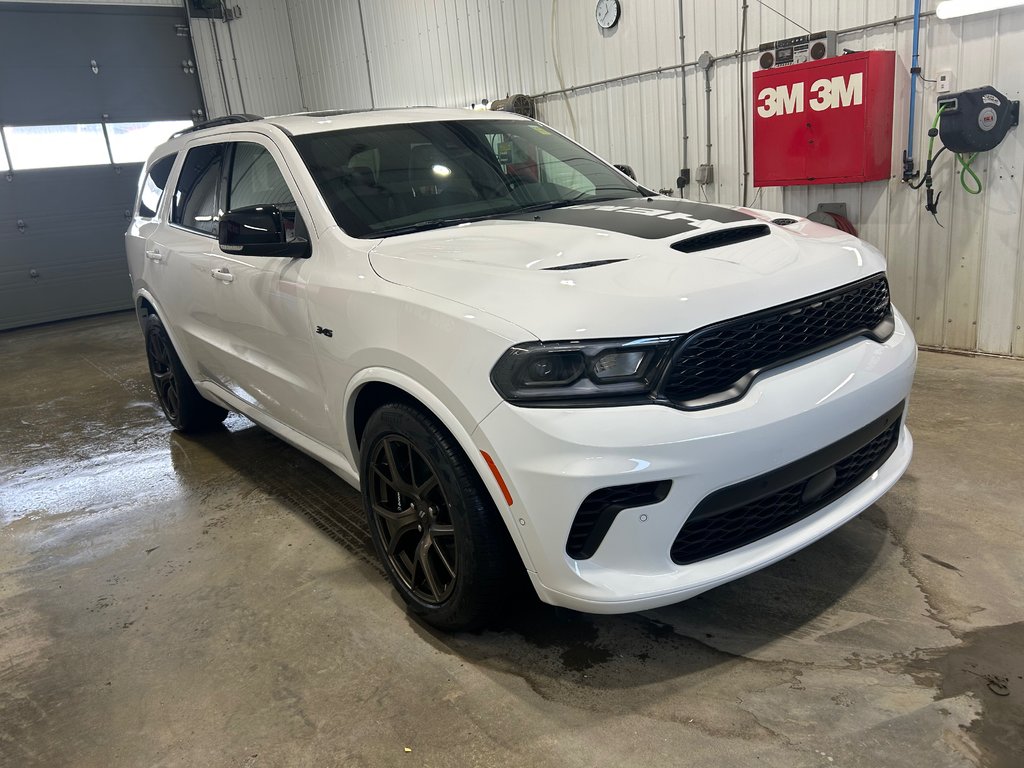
column 649, row 218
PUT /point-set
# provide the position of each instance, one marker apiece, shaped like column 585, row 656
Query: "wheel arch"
column 144, row 307
column 146, row 304
column 374, row 387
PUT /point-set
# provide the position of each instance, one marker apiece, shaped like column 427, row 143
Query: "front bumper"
column 552, row 459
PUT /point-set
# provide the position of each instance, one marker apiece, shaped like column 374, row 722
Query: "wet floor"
column 214, row 601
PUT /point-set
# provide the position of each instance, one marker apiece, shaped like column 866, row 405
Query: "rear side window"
column 196, row 195
column 153, row 186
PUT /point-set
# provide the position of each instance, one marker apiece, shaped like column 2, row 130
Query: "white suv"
column 520, row 356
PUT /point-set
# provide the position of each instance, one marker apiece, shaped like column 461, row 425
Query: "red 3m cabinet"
column 824, row 122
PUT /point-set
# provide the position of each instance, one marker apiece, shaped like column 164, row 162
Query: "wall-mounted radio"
column 797, row 50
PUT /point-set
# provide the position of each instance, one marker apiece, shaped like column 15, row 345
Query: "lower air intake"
column 599, row 510
column 741, row 514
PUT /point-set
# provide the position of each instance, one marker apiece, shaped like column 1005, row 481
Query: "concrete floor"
column 206, row 602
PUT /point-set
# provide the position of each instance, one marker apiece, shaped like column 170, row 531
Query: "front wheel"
column 433, row 524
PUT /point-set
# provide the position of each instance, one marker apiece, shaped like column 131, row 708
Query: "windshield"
column 391, row 179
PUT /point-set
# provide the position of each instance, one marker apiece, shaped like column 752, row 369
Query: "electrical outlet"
column 944, row 81
column 705, row 173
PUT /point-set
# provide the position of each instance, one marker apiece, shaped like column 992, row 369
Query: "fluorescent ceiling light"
column 951, row 9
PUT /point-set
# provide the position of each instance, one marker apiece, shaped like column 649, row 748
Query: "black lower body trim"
column 599, row 510
column 743, row 513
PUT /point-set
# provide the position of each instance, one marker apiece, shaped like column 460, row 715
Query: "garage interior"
column 215, row 600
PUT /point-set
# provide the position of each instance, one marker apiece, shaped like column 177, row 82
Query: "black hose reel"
column 966, row 123
column 976, row 120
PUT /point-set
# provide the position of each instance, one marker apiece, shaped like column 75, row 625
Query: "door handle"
column 154, row 255
column 222, row 274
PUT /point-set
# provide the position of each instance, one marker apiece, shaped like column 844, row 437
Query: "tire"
column 184, row 407
column 434, row 526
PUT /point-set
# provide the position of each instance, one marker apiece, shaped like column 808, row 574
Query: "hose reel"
column 967, row 123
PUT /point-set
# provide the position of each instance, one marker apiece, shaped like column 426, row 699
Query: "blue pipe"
column 908, row 156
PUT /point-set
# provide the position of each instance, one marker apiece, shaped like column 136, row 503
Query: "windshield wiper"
column 451, row 221
column 551, row 205
column 423, row 226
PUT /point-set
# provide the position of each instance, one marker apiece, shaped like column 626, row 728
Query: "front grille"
column 599, row 510
column 741, row 514
column 717, row 364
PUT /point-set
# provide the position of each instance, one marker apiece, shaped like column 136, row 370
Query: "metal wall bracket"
column 838, row 208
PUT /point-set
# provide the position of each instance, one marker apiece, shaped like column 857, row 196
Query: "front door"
column 262, row 317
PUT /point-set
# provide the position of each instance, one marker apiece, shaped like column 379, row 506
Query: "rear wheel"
column 185, row 408
column 433, row 524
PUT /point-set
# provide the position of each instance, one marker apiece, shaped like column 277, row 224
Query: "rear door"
column 179, row 263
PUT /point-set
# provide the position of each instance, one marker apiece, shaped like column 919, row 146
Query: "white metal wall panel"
column 330, row 54
column 176, row 3
column 249, row 64
column 213, row 71
column 962, row 286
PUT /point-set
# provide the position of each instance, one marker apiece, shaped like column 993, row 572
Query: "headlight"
column 613, row 371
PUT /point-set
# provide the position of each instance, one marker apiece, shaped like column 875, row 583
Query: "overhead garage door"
column 85, row 93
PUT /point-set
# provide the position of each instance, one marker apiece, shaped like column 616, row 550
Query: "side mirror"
column 259, row 230
column 626, row 169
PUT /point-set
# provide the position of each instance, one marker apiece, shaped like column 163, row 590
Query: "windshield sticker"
column 541, row 130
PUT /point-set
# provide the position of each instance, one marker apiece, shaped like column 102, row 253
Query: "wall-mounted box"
column 824, row 122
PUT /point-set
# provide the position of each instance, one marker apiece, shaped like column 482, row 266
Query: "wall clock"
column 608, row 13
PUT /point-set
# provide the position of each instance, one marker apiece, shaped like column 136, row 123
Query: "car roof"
column 301, row 123
column 332, row 120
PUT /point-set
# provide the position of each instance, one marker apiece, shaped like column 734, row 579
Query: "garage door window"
column 196, row 194
column 133, row 142
column 153, row 186
column 65, row 146
column 56, row 146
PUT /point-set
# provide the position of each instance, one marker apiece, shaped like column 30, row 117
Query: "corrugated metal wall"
column 330, row 53
column 961, row 285
column 249, row 65
column 101, row 2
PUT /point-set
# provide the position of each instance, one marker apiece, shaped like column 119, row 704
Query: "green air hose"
column 964, row 160
column 965, row 167
column 935, row 130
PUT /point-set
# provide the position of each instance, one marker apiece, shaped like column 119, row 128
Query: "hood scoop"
column 583, row 264
column 720, row 238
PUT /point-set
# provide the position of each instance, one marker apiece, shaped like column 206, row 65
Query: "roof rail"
column 331, row 112
column 226, row 120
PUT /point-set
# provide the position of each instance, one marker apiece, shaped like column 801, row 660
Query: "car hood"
column 543, row 271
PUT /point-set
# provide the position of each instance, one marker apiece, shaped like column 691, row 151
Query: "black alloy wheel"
column 185, row 408
column 413, row 520
column 158, row 349
column 435, row 527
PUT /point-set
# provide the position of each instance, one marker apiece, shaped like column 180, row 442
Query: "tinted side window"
column 256, row 180
column 196, row 195
column 153, row 186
